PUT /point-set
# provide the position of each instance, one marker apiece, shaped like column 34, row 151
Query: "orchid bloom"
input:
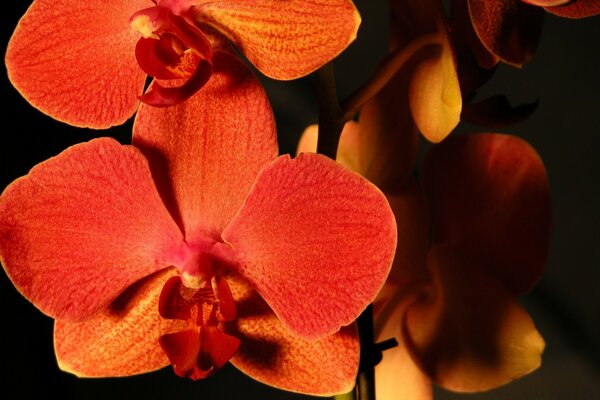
column 197, row 245
column 85, row 63
column 510, row 30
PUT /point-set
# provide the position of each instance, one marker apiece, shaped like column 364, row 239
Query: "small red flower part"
column 198, row 245
column 86, row 63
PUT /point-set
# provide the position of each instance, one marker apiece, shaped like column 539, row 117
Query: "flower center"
column 171, row 48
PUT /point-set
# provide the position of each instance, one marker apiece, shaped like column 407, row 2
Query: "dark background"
column 565, row 130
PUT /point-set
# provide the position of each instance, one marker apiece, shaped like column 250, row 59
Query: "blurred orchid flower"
column 470, row 241
column 198, row 245
column 86, row 63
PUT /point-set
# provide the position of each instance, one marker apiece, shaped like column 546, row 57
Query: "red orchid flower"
column 85, row 63
column 198, row 245
column 510, row 30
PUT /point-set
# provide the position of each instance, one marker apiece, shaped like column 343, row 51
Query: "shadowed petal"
column 510, row 29
column 214, row 145
column 83, row 226
column 75, row 61
column 122, row 340
column 576, row 9
column 316, row 241
column 488, row 194
column 271, row 354
column 285, row 39
column 470, row 334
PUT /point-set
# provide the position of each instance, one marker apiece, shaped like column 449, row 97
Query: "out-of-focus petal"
column 548, row 3
column 75, row 61
column 122, row 340
column 488, row 194
column 510, row 29
column 412, row 220
column 214, row 145
column 316, row 240
column 496, row 112
column 576, row 9
column 434, row 94
column 284, row 39
column 271, row 354
column 397, row 376
column 470, row 334
column 83, row 226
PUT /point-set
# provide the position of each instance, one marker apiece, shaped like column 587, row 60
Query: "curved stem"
column 331, row 118
column 386, row 71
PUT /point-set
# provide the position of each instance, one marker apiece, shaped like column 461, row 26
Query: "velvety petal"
column 488, row 194
column 548, row 3
column 397, row 376
column 83, row 226
column 316, row 240
column 206, row 152
column 271, row 354
column 577, row 9
column 122, row 340
column 470, row 334
column 510, row 29
column 75, row 61
column 434, row 94
column 284, row 39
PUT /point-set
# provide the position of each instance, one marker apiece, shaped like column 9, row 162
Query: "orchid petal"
column 510, row 29
column 316, row 230
column 284, row 39
column 273, row 355
column 76, row 61
column 83, row 226
column 488, row 194
column 548, row 3
column 434, row 94
column 123, row 339
column 397, row 376
column 470, row 334
column 576, row 9
column 496, row 112
column 214, row 145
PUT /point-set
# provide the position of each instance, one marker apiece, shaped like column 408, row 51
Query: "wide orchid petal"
column 271, row 354
column 316, row 240
column 83, row 226
column 214, row 145
column 284, row 39
column 488, row 194
column 75, row 61
column 576, row 9
column 123, row 339
column 510, row 29
column 470, row 334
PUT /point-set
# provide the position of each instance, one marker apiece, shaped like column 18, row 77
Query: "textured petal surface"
column 213, row 145
column 83, row 226
column 488, row 194
column 271, row 354
column 577, row 9
column 285, row 39
column 316, row 240
column 510, row 29
column 470, row 334
column 75, row 60
column 122, row 340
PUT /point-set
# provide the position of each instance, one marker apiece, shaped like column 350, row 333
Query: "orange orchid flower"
column 510, row 30
column 197, row 245
column 86, row 63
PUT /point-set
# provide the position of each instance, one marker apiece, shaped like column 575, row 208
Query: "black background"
column 565, row 130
